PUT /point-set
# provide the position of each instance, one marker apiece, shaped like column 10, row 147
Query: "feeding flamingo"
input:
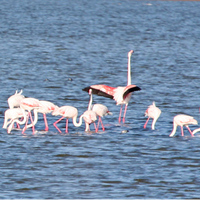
column 15, row 99
column 183, row 120
column 13, row 114
column 45, row 107
column 100, row 110
column 29, row 104
column 120, row 94
column 67, row 112
column 154, row 113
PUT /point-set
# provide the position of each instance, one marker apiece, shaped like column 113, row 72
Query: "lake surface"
column 53, row 49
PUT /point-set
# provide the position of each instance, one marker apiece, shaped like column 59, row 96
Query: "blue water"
column 53, row 49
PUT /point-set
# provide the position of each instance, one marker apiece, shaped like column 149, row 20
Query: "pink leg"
column 103, row 128
column 125, row 113
column 145, row 125
column 182, row 134
column 56, row 123
column 45, row 121
column 96, row 129
column 66, row 129
column 190, row 131
column 33, row 127
column 25, row 127
column 120, row 113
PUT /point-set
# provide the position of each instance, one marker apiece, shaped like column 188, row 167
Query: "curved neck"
column 80, row 121
column 17, row 121
column 129, row 69
column 90, row 102
column 174, row 130
column 153, row 123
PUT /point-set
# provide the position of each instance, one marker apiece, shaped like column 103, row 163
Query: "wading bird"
column 183, row 120
column 67, row 112
column 120, row 94
column 154, row 113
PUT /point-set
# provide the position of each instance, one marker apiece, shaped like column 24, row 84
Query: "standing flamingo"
column 29, row 104
column 120, row 94
column 100, row 110
column 15, row 99
column 89, row 115
column 67, row 112
column 183, row 120
column 45, row 107
column 154, row 113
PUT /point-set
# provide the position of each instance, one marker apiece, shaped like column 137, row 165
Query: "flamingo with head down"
column 183, row 120
column 120, row 94
column 154, row 113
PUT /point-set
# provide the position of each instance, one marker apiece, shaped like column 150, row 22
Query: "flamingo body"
column 183, row 120
column 154, row 113
column 67, row 112
column 120, row 94
column 12, row 114
column 15, row 100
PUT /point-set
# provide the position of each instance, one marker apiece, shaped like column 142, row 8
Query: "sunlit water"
column 53, row 49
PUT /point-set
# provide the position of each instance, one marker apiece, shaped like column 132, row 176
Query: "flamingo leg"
column 33, row 127
column 46, row 123
column 25, row 127
column 66, row 129
column 103, row 128
column 190, row 131
column 182, row 134
column 125, row 112
column 145, row 125
column 96, row 129
column 120, row 113
column 57, row 122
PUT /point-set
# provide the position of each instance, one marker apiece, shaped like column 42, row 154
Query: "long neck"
column 90, row 102
column 129, row 69
column 174, row 130
column 77, row 124
column 153, row 123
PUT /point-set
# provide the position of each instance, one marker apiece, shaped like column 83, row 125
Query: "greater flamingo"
column 154, row 113
column 67, row 112
column 15, row 99
column 183, row 120
column 100, row 110
column 89, row 115
column 29, row 104
column 45, row 107
column 13, row 114
column 120, row 94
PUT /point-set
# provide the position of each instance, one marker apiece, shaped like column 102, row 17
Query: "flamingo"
column 29, row 104
column 67, row 112
column 13, row 114
column 100, row 110
column 120, row 94
column 45, row 107
column 89, row 115
column 183, row 120
column 15, row 99
column 154, row 113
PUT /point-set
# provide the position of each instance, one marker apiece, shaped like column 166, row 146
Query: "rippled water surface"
column 53, row 49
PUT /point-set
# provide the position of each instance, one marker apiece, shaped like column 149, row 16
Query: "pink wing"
column 101, row 90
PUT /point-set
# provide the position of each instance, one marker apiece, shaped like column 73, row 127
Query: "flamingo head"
column 90, row 91
column 130, row 52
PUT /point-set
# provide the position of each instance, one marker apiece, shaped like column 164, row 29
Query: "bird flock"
column 21, row 110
